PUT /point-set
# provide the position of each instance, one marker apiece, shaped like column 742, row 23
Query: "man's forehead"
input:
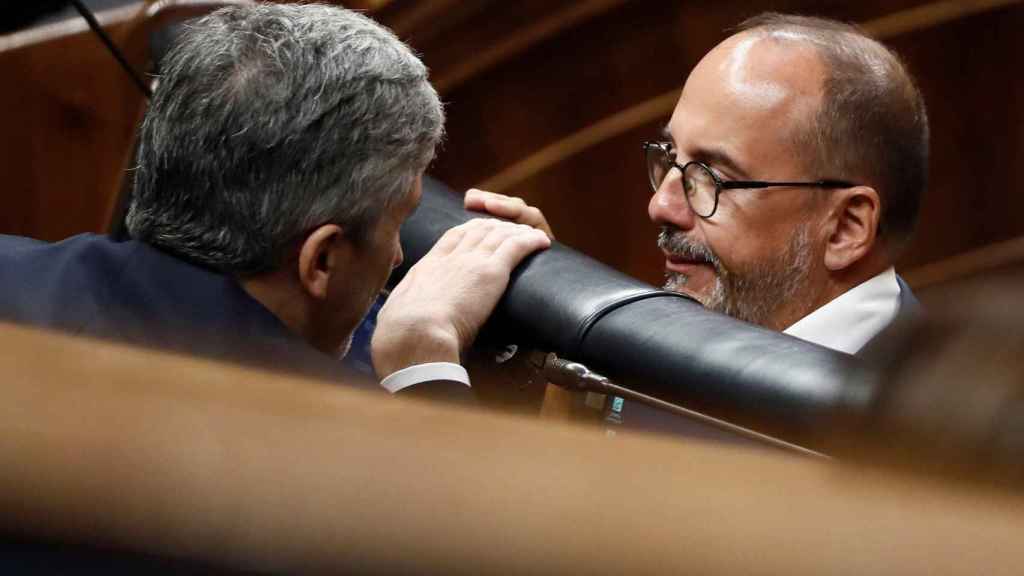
column 748, row 87
column 760, row 72
column 745, row 76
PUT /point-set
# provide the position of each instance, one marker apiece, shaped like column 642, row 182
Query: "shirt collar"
column 854, row 317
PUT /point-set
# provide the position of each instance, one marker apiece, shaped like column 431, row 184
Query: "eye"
column 717, row 173
column 689, row 186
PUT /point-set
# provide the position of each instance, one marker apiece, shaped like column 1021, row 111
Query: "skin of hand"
column 507, row 207
column 437, row 309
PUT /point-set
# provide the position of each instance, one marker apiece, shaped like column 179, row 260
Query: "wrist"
column 394, row 350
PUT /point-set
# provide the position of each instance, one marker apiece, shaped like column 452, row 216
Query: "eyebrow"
column 713, row 157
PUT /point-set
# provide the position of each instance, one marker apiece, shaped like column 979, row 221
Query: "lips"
column 683, row 264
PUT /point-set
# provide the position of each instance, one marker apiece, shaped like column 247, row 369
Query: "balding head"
column 749, row 81
column 871, row 125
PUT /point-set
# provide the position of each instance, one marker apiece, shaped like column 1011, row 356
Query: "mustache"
column 674, row 242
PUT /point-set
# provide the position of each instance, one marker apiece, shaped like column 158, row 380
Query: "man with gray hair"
column 283, row 149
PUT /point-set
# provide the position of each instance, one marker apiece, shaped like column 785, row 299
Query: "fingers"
column 500, row 239
column 488, row 244
column 515, row 247
column 476, row 199
column 446, row 297
column 465, row 236
column 508, row 207
column 449, row 240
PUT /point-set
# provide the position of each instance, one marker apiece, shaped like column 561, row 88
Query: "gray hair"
column 270, row 120
column 872, row 125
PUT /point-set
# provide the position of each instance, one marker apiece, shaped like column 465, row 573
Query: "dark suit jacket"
column 880, row 349
column 131, row 291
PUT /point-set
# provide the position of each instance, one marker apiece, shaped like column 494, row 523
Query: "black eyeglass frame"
column 720, row 184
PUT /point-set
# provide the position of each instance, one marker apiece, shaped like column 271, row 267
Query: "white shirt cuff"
column 420, row 373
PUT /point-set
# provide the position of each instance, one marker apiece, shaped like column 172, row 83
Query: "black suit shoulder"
column 881, row 349
column 130, row 291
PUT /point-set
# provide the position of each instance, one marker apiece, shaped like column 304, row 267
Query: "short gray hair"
column 270, row 120
column 872, row 125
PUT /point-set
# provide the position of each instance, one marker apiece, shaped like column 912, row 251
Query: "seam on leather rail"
column 595, row 317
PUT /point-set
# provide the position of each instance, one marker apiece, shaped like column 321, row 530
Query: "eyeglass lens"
column 697, row 182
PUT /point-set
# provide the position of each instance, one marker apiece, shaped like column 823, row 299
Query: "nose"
column 669, row 206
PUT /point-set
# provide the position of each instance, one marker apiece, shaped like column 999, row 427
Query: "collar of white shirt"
column 854, row 317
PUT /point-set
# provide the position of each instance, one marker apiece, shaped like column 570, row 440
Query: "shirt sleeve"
column 420, row 373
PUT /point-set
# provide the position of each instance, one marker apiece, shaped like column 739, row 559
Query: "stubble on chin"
column 713, row 300
column 674, row 281
column 676, row 243
column 755, row 294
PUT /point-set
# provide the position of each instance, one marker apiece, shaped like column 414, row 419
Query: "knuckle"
column 478, row 224
column 493, row 272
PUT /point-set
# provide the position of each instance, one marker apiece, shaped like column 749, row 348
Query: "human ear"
column 320, row 257
column 853, row 226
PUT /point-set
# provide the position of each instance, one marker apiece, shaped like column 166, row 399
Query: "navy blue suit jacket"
column 131, row 291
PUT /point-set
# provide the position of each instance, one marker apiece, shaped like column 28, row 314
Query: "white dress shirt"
column 854, row 317
column 420, row 373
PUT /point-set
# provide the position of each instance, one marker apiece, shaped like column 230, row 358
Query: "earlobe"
column 854, row 226
column 318, row 259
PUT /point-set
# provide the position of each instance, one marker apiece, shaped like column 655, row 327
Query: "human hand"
column 507, row 207
column 440, row 305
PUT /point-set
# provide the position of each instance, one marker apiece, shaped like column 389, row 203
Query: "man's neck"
column 281, row 297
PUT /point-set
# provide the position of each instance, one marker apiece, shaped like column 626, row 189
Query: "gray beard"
column 754, row 295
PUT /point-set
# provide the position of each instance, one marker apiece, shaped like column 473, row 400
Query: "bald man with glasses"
column 787, row 181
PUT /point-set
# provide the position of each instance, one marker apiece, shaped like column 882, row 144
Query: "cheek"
column 742, row 242
column 378, row 271
column 392, row 262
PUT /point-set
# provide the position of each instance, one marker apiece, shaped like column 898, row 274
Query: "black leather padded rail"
column 652, row 341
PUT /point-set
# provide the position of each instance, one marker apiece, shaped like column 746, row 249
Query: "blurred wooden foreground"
column 136, row 450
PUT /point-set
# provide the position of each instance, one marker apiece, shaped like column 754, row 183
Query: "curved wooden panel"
column 994, row 258
column 69, row 115
column 578, row 142
column 966, row 71
column 470, row 65
column 463, row 39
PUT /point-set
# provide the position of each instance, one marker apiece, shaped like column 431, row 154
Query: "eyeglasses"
column 700, row 183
